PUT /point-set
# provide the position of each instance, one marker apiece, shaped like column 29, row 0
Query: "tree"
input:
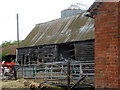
column 8, row 43
column 5, row 44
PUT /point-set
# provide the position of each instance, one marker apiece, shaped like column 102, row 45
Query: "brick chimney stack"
column 107, row 46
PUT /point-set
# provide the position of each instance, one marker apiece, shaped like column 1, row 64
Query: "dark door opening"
column 66, row 51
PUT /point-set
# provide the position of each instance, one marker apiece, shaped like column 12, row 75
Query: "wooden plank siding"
column 81, row 51
column 84, row 51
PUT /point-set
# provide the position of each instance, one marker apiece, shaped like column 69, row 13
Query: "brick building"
column 107, row 43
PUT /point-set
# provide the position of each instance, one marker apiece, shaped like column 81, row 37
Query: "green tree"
column 8, row 43
column 2, row 55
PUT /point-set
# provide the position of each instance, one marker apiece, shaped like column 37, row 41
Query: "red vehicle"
column 7, row 69
column 9, row 63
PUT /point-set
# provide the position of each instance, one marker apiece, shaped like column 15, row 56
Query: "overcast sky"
column 30, row 12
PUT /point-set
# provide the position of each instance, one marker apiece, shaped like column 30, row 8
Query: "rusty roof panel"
column 11, row 49
column 73, row 28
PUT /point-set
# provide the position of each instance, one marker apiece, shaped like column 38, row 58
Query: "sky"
column 31, row 12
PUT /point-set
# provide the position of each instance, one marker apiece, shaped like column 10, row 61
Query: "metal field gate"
column 61, row 73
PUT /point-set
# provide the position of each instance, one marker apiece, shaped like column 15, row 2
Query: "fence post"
column 81, row 69
column 68, row 73
column 45, row 73
column 35, row 73
column 51, row 72
column 15, row 73
column 23, row 71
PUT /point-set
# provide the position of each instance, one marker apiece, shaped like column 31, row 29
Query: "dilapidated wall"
column 81, row 51
column 37, row 54
column 84, row 50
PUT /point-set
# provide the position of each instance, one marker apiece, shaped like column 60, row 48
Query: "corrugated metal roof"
column 69, row 29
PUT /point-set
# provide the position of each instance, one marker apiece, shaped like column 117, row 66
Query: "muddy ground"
column 26, row 84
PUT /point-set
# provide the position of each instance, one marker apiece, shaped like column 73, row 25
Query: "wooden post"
column 15, row 73
column 35, row 73
column 68, row 74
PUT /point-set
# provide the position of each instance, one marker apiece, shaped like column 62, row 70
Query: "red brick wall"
column 107, row 46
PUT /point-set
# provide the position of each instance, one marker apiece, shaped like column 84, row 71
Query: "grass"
column 55, row 87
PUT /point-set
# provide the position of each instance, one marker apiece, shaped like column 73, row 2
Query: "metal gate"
column 61, row 73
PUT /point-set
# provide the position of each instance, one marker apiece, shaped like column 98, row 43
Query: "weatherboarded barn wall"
column 81, row 51
column 37, row 54
column 84, row 51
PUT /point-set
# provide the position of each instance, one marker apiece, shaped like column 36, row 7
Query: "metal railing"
column 58, row 72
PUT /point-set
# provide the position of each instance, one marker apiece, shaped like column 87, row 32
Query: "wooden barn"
column 65, row 38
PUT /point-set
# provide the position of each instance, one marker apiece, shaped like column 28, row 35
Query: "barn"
column 65, row 38
column 73, row 37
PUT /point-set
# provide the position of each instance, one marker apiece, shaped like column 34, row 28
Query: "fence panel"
column 57, row 72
